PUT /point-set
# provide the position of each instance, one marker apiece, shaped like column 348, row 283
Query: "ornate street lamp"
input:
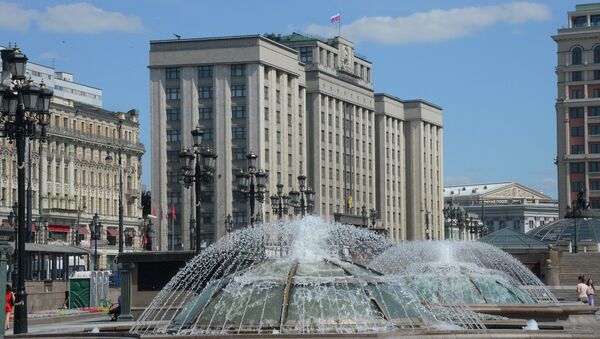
column 24, row 114
column 228, row 223
column 579, row 206
column 303, row 201
column 374, row 216
column 252, row 184
column 280, row 202
column 96, row 228
column 197, row 168
column 364, row 215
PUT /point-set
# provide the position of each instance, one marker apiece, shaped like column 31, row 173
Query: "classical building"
column 501, row 205
column 578, row 107
column 409, row 164
column 304, row 105
column 70, row 177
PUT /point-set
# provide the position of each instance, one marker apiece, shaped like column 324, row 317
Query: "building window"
column 596, row 74
column 576, row 93
column 173, row 114
column 595, row 203
column 577, row 149
column 239, row 153
column 172, row 72
column 576, row 56
column 594, row 129
column 173, row 93
column 205, row 92
column 596, row 93
column 238, row 70
column 172, row 177
column 594, row 167
column 597, row 55
column 239, row 218
column 173, row 135
column 206, row 113
column 238, row 132
column 576, row 112
column 238, row 90
column 578, row 167
column 577, row 186
column 579, row 21
column 595, row 20
column 239, row 111
column 594, row 148
column 205, row 72
column 173, row 198
column 306, row 54
column 595, row 185
column 207, row 134
column 577, row 76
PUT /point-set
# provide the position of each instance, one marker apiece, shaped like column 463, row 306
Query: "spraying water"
column 302, row 276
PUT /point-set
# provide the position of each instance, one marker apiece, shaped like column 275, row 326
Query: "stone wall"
column 45, row 295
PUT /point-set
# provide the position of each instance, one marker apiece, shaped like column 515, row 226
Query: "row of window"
column 579, row 167
column 206, row 71
column 578, row 186
column 206, row 113
column 237, row 132
column 579, row 112
column 580, row 130
column 205, row 92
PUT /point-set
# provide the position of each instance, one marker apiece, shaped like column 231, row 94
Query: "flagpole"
column 340, row 25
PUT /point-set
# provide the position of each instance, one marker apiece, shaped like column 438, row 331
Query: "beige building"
column 247, row 94
column 71, row 180
column 409, row 157
column 304, row 105
column 578, row 107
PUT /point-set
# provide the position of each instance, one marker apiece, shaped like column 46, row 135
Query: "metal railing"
column 69, row 132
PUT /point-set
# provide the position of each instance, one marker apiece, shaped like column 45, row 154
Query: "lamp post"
column 203, row 170
column 280, row 202
column 364, row 215
column 97, row 227
column 109, row 160
column 228, row 223
column 374, row 216
column 148, row 235
column 303, row 201
column 252, row 183
column 575, row 213
column 25, row 114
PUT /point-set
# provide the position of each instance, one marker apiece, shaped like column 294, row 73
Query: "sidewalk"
column 81, row 322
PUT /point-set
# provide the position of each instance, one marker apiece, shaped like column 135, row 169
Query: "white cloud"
column 436, row 25
column 15, row 18
column 73, row 18
column 49, row 55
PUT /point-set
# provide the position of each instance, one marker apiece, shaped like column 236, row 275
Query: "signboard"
column 7, row 234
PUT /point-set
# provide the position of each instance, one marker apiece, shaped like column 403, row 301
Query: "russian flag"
column 336, row 18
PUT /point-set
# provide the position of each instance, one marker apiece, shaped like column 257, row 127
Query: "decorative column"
column 44, row 176
column 125, row 270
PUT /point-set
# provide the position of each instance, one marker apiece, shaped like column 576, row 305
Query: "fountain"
column 302, row 276
column 468, row 272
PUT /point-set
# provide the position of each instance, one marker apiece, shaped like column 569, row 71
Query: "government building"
column 305, row 106
column 578, row 107
column 71, row 179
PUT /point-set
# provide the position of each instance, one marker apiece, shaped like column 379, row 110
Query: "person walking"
column 10, row 302
column 591, row 290
column 582, row 290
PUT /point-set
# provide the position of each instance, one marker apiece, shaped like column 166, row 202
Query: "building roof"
column 48, row 248
column 508, row 238
column 476, row 189
column 562, row 231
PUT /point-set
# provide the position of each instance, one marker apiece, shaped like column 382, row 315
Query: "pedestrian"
column 582, row 290
column 590, row 291
column 10, row 302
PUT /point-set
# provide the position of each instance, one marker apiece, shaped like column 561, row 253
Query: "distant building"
column 578, row 107
column 304, row 105
column 71, row 180
column 506, row 204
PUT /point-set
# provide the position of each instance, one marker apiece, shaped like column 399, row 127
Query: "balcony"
column 75, row 134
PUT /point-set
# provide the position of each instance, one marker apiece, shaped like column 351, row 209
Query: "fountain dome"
column 562, row 232
column 462, row 283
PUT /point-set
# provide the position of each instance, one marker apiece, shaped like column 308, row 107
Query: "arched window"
column 576, row 56
column 597, row 54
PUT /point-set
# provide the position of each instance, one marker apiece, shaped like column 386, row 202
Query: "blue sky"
column 489, row 64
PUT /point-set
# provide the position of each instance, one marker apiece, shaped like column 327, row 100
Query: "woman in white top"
column 590, row 291
column 582, row 290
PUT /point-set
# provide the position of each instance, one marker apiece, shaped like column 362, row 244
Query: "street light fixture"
column 575, row 212
column 280, row 202
column 228, row 223
column 364, row 215
column 96, row 226
column 24, row 112
column 197, row 173
column 252, row 183
column 374, row 216
column 303, row 201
